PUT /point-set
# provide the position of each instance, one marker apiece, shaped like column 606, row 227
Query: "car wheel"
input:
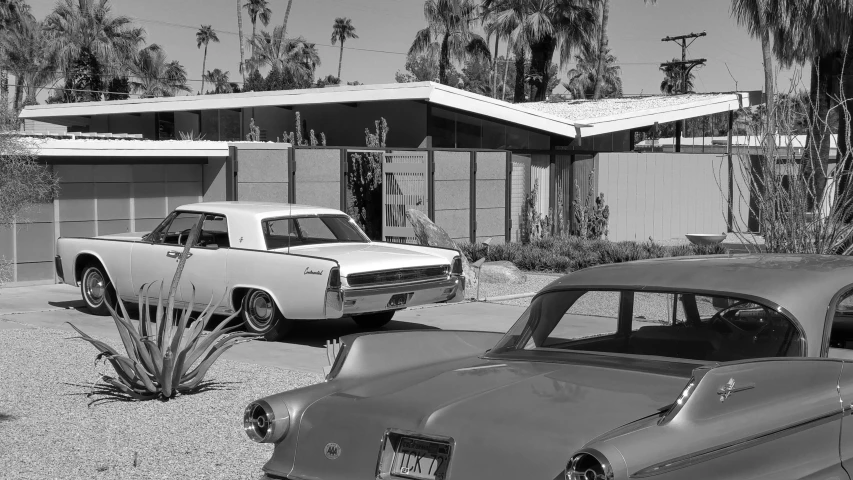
column 261, row 316
column 374, row 320
column 96, row 289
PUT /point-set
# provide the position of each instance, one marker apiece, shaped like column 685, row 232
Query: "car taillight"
column 335, row 278
column 456, row 266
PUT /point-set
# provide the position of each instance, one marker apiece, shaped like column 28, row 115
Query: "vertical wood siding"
column 659, row 195
column 520, row 187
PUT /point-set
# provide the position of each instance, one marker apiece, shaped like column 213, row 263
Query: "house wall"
column 663, row 196
column 453, row 193
column 519, row 188
column 491, row 185
column 262, row 172
column 318, row 177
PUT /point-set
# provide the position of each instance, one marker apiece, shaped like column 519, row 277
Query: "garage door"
column 98, row 200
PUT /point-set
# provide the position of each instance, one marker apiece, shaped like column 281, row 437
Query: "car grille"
column 404, row 275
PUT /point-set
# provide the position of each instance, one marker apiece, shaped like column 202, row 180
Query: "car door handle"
column 176, row 254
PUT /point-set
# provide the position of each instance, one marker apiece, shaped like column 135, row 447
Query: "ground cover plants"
column 161, row 352
column 563, row 254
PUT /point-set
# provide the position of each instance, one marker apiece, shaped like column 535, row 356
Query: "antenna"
column 290, row 223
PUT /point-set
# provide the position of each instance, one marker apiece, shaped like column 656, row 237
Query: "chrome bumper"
column 375, row 299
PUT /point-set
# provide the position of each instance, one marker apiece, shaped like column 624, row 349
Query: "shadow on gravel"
column 5, row 417
column 106, row 393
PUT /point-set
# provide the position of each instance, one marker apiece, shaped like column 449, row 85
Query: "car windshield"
column 298, row 231
column 686, row 326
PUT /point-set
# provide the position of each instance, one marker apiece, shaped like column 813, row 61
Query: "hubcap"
column 94, row 287
column 260, row 309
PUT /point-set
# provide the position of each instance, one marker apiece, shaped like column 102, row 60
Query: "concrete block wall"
column 318, row 177
column 453, row 193
column 490, row 196
column 262, row 172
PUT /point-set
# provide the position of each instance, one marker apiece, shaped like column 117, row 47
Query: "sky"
column 386, row 29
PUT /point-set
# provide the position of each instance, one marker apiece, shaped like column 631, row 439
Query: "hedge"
column 567, row 254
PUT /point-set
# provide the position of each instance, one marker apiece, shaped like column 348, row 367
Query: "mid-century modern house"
column 470, row 162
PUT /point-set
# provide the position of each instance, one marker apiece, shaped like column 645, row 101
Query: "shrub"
column 161, row 353
column 566, row 254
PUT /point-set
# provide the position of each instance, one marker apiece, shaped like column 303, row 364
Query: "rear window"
column 683, row 326
column 298, row 231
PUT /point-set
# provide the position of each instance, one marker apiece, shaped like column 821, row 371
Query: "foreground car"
column 277, row 263
column 712, row 367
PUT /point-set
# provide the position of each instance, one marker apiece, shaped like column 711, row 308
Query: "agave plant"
column 163, row 358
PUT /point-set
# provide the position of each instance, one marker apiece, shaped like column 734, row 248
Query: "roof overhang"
column 128, row 148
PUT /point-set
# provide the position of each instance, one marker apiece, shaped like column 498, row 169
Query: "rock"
column 501, row 272
column 431, row 235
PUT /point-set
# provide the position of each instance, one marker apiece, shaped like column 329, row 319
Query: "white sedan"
column 278, row 263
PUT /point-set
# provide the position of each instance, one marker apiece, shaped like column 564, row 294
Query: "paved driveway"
column 51, row 306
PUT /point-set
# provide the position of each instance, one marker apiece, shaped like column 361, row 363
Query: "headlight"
column 261, row 424
column 456, row 266
column 588, row 466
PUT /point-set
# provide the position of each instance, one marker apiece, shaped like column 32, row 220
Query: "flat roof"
column 566, row 118
column 66, row 147
column 259, row 209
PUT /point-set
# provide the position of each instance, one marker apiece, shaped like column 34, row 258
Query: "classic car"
column 277, row 263
column 733, row 367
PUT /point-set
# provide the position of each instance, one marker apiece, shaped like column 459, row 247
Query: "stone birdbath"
column 705, row 238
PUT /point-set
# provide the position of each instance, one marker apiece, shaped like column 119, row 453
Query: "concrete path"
column 51, row 306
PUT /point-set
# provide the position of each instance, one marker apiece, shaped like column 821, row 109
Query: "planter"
column 705, row 238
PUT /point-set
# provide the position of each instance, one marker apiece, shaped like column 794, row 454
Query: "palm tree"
column 240, row 37
column 584, row 78
column 294, row 58
column 219, row 79
column 258, row 9
column 508, row 16
column 203, row 36
column 153, row 75
column 11, row 12
column 674, row 81
column 286, row 16
column 89, row 40
column 29, row 53
column 449, row 23
column 341, row 31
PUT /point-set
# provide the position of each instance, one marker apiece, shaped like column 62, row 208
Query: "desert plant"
column 365, row 180
column 190, row 136
column 24, row 181
column 592, row 215
column 254, row 134
column 5, row 270
column 161, row 352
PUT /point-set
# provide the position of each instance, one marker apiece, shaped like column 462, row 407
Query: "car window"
column 841, row 335
column 214, row 231
column 176, row 231
column 680, row 325
column 298, row 231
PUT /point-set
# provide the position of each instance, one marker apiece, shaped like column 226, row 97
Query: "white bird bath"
column 705, row 238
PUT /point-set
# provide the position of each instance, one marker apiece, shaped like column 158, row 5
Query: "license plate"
column 421, row 459
column 398, row 300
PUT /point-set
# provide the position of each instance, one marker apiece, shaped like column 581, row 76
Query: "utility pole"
column 684, row 67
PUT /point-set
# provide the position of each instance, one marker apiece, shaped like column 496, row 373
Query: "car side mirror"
column 145, row 237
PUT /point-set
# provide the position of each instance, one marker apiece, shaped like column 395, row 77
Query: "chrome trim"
column 399, row 288
column 447, row 274
column 598, row 456
column 381, row 285
column 731, row 447
column 730, row 388
column 276, row 428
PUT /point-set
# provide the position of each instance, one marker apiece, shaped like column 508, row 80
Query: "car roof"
column 262, row 209
column 804, row 285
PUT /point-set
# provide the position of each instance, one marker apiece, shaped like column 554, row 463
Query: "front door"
column 157, row 260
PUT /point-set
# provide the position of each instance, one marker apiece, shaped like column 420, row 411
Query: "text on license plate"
column 421, row 459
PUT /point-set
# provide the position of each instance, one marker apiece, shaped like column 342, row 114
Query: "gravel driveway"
column 534, row 283
column 47, row 430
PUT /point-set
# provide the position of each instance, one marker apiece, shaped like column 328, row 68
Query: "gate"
column 404, row 186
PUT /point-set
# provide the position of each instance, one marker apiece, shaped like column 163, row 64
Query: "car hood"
column 126, row 237
column 368, row 257
column 507, row 419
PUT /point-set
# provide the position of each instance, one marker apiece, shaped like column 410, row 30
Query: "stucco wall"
column 262, row 172
column 318, row 177
column 491, row 196
column 453, row 193
column 663, row 196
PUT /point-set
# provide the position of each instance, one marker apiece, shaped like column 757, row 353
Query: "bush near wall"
column 567, row 254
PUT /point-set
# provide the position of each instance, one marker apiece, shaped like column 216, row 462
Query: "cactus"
column 312, row 138
column 254, row 134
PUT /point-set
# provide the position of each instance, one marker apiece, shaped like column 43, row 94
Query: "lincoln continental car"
column 701, row 368
column 276, row 263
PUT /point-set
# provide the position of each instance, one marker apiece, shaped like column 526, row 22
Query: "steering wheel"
column 181, row 234
column 721, row 317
